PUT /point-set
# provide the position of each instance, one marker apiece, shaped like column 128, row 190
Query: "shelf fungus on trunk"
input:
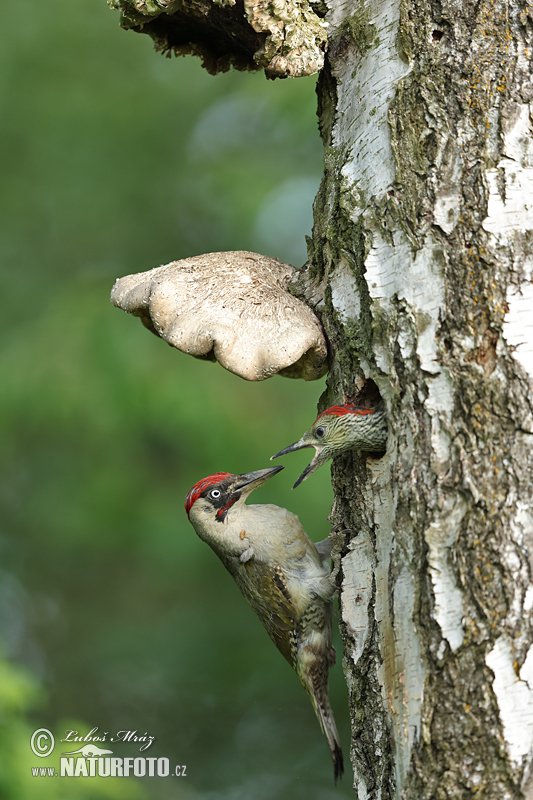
column 286, row 38
column 234, row 308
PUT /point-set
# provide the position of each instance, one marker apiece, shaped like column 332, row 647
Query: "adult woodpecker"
column 340, row 428
column 281, row 573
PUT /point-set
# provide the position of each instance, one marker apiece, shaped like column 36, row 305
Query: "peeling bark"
column 421, row 270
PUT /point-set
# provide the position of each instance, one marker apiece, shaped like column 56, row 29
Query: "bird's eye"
column 319, row 433
column 215, row 493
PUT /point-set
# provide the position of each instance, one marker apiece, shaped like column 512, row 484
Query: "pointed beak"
column 314, row 464
column 251, row 480
column 299, row 445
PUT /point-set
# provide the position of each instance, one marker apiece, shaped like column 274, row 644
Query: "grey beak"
column 252, row 480
column 299, row 445
column 307, row 471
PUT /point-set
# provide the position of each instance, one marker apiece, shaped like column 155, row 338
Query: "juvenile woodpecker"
column 341, row 428
column 281, row 573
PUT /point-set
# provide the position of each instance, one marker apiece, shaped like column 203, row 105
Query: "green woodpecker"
column 341, row 428
column 281, row 573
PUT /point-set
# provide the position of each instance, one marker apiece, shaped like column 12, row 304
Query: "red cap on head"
column 199, row 487
column 339, row 411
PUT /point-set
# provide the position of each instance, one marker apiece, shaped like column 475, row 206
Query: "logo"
column 89, row 751
column 90, row 760
column 42, row 742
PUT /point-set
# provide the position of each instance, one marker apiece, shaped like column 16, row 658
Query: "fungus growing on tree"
column 286, row 38
column 234, row 308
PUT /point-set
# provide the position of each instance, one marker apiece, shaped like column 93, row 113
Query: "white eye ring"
column 215, row 493
column 319, row 433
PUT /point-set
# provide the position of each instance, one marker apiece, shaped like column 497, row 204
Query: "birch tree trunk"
column 421, row 270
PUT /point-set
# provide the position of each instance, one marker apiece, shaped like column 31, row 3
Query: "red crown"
column 340, row 411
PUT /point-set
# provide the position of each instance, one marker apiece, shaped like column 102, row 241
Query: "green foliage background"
column 113, row 614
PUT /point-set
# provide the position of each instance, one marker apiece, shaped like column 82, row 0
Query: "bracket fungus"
column 286, row 38
column 232, row 307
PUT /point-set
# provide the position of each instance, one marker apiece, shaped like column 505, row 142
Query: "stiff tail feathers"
column 327, row 723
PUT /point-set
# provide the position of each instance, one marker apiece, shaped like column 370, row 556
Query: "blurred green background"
column 114, row 614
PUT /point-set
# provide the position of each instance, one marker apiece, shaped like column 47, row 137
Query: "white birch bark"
column 421, row 268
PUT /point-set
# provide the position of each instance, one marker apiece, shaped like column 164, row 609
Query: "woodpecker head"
column 210, row 500
column 341, row 428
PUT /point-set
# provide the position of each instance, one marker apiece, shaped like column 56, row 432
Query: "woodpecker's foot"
column 340, row 529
